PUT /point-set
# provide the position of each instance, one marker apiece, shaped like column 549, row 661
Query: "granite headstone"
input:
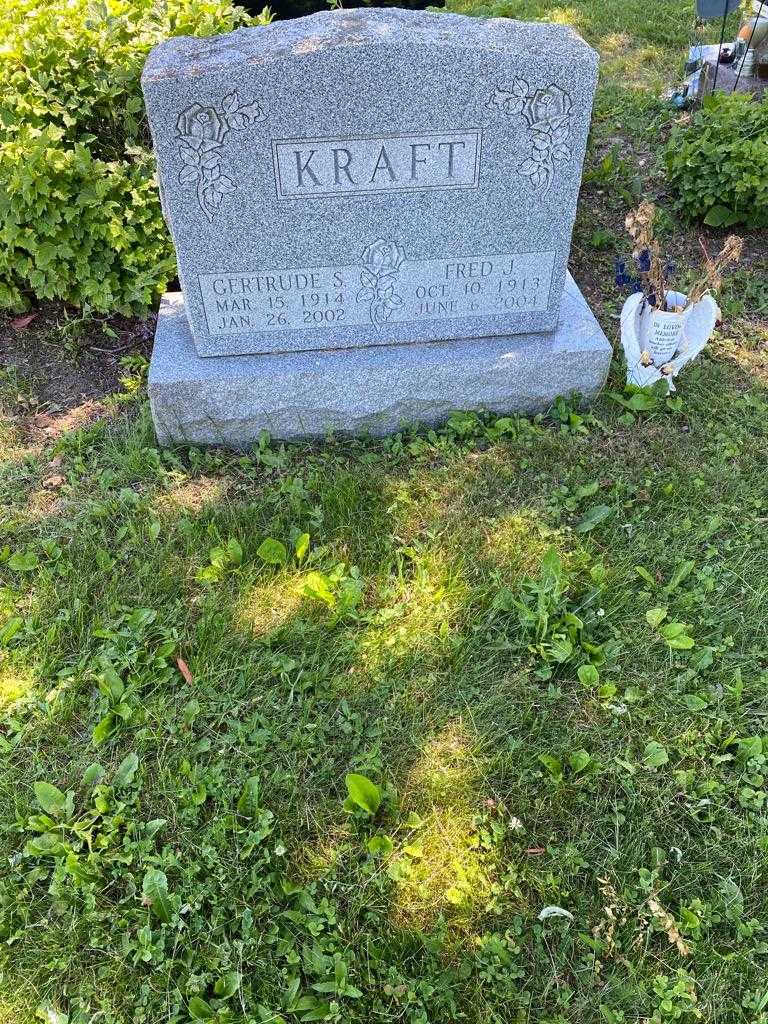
column 356, row 179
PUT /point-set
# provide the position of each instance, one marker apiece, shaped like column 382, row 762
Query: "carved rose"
column 381, row 263
column 202, row 123
column 547, row 113
column 202, row 131
column 547, row 105
column 383, row 257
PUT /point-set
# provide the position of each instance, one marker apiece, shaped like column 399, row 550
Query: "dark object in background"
column 708, row 9
column 726, row 56
column 762, row 69
column 283, row 9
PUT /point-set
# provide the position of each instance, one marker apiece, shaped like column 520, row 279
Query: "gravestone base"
column 230, row 400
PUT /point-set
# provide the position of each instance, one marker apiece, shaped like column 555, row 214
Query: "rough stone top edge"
column 188, row 56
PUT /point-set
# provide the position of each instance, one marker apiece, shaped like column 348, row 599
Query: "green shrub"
column 718, row 162
column 80, row 216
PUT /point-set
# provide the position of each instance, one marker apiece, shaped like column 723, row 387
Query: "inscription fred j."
column 311, row 168
column 416, row 291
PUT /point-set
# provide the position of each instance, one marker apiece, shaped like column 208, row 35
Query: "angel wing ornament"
column 658, row 344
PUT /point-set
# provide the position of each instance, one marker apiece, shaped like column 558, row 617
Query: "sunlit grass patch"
column 42, row 504
column 16, row 682
column 442, row 871
column 323, row 856
column 192, row 495
column 516, row 543
column 418, row 611
column 749, row 351
column 567, row 15
column 636, row 67
column 14, row 448
column 263, row 608
column 443, row 868
column 448, row 767
column 13, row 1008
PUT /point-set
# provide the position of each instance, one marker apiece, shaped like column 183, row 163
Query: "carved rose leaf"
column 497, row 99
column 561, row 152
column 366, row 295
column 231, row 102
column 541, row 176
column 189, row 156
column 561, row 135
column 211, row 161
column 528, row 168
column 213, row 196
column 561, row 123
column 188, row 174
column 506, row 101
column 237, row 121
column 253, row 111
column 226, row 184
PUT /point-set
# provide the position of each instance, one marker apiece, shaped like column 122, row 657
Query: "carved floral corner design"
column 547, row 112
column 202, row 132
column 381, row 267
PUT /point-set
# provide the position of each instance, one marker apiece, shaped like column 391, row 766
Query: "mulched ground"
column 64, row 374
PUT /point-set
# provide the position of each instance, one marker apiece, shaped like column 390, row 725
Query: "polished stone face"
column 370, row 177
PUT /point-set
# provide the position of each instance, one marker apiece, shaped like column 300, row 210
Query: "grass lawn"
column 543, row 641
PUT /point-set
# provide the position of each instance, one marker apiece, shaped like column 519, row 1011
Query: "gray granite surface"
column 368, row 177
column 230, row 400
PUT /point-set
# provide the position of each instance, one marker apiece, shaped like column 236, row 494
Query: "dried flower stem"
column 712, row 275
column 639, row 224
column 648, row 257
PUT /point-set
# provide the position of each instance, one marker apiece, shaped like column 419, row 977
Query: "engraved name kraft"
column 382, row 289
column 311, row 168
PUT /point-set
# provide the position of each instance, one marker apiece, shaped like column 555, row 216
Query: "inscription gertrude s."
column 419, row 291
column 310, row 168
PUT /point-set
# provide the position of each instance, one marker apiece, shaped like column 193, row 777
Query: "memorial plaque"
column 370, row 177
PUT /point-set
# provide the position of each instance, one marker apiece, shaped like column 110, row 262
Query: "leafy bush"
column 80, row 216
column 718, row 162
